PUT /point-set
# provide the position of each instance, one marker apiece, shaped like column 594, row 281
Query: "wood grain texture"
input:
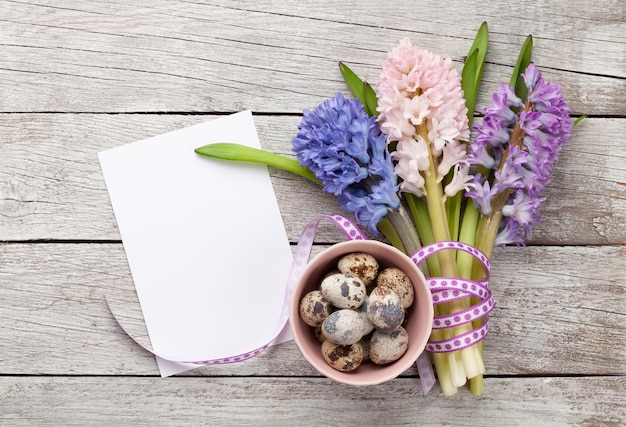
column 282, row 57
column 560, row 311
column 77, row 78
column 311, row 402
column 49, row 170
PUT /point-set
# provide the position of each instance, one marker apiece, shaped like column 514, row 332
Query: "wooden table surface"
column 79, row 77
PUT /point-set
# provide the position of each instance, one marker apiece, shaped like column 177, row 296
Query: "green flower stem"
column 419, row 211
column 472, row 362
column 465, row 264
column 477, row 383
column 464, row 260
column 405, row 230
column 442, row 363
column 453, row 213
column 485, row 239
column 471, row 217
column 243, row 153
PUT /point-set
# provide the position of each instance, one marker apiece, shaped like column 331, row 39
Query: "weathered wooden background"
column 78, row 77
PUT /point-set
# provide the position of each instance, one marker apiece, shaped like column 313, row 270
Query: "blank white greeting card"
column 204, row 239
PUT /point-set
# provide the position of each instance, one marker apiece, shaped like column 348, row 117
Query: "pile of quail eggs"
column 358, row 312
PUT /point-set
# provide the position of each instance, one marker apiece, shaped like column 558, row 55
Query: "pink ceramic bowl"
column 419, row 318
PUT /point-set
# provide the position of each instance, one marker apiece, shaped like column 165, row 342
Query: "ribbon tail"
column 426, row 372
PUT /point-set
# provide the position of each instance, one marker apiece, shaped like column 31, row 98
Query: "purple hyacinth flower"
column 524, row 139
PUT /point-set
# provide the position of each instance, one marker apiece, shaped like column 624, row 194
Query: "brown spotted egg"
column 388, row 347
column 365, row 345
column 317, row 331
column 343, row 358
column 344, row 327
column 363, row 266
column 368, row 326
column 343, row 290
column 384, row 309
column 396, row 280
column 314, row 308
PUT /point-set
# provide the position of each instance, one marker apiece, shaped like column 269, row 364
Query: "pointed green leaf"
column 482, row 39
column 354, row 82
column 580, row 119
column 472, row 72
column 469, row 84
column 523, row 61
column 371, row 101
column 242, row 153
column 480, row 43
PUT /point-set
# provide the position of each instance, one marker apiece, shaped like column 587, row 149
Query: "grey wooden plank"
column 63, row 361
column 309, row 402
column 182, row 56
column 49, row 170
column 560, row 311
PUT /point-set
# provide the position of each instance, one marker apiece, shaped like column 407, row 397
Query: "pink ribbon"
column 443, row 290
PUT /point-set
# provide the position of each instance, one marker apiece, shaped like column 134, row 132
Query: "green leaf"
column 371, row 101
column 453, row 213
column 419, row 212
column 480, row 43
column 580, row 119
column 355, row 84
column 523, row 61
column 242, row 153
column 391, row 234
column 472, row 72
column 468, row 84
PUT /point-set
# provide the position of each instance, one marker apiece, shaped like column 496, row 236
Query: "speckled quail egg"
column 388, row 347
column 344, row 327
column 363, row 266
column 343, row 358
column 365, row 345
column 396, row 280
column 368, row 326
column 384, row 309
column 317, row 331
column 330, row 273
column 314, row 308
column 343, row 290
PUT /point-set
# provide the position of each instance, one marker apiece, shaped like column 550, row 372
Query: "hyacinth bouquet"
column 400, row 159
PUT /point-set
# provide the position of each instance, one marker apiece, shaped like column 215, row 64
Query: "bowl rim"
column 382, row 373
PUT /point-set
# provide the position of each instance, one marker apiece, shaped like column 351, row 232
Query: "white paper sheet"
column 204, row 239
